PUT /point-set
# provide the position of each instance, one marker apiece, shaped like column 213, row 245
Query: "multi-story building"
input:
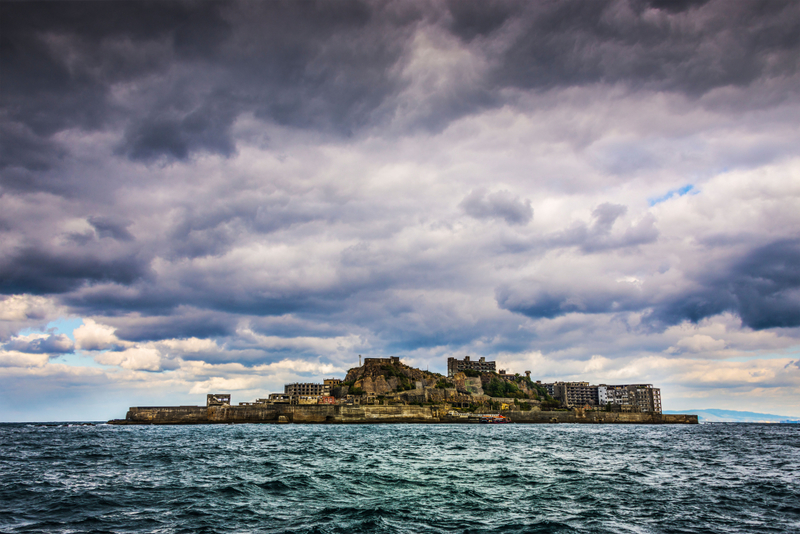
column 574, row 393
column 283, row 398
column 391, row 360
column 640, row 397
column 505, row 374
column 455, row 365
column 310, row 389
column 549, row 387
column 612, row 395
column 306, row 389
column 628, row 397
column 277, row 398
column 332, row 382
column 647, row 398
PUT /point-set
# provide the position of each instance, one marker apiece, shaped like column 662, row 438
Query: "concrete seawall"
column 320, row 414
column 592, row 417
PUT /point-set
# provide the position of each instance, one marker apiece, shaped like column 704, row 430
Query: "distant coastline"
column 714, row 415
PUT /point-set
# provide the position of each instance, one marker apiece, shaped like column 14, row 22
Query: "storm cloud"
column 763, row 288
column 204, row 191
column 176, row 77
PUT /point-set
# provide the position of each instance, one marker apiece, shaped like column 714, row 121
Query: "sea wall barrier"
column 343, row 414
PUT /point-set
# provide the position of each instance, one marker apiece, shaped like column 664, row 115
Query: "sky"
column 225, row 197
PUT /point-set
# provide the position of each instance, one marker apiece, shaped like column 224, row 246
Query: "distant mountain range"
column 712, row 415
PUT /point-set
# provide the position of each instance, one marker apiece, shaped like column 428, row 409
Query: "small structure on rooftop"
column 218, row 399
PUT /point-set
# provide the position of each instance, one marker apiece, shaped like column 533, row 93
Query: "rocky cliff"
column 383, row 376
column 388, row 377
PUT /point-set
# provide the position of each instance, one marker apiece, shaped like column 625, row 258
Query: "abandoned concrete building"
column 218, row 399
column 627, row 397
column 454, row 365
column 391, row 360
column 306, row 389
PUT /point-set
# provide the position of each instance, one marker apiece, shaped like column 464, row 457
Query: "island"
column 384, row 390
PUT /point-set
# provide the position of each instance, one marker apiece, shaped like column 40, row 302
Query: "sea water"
column 400, row 478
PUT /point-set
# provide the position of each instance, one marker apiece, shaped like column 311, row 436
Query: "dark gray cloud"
column 199, row 288
column 175, row 76
column 113, row 227
column 210, row 228
column 51, row 344
column 39, row 270
column 762, row 287
column 539, row 299
column 175, row 134
column 60, row 60
column 691, row 50
column 191, row 70
column 21, row 147
column 476, row 19
column 497, row 205
column 767, row 285
column 185, row 322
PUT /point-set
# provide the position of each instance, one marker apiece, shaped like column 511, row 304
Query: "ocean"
column 68, row 478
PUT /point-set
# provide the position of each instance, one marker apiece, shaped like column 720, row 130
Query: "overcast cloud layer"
column 207, row 196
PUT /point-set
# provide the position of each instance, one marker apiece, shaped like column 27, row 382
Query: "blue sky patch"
column 79, row 359
column 63, row 325
column 674, row 192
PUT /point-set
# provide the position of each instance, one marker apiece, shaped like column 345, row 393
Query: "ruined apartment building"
column 306, row 389
column 644, row 397
column 311, row 389
column 454, row 365
column 627, row 397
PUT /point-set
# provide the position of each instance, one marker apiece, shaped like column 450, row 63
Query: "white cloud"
column 26, row 311
column 22, row 359
column 134, row 358
column 92, row 335
column 698, row 343
column 22, row 307
column 190, row 345
column 223, row 385
column 303, row 343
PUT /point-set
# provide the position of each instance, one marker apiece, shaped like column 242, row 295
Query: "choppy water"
column 400, row 478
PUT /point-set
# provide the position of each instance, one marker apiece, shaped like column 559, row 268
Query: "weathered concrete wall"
column 592, row 417
column 310, row 414
column 178, row 415
column 244, row 414
column 189, row 415
column 386, row 414
column 168, row 415
column 321, row 414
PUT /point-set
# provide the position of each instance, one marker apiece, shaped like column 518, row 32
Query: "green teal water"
column 400, row 478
